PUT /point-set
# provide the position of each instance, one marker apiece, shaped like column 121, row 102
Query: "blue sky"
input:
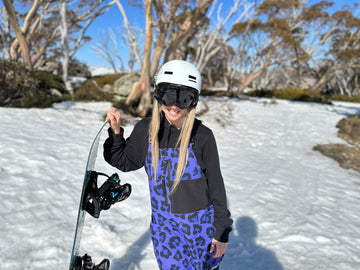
column 114, row 20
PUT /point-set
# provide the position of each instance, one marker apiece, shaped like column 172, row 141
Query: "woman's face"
column 174, row 114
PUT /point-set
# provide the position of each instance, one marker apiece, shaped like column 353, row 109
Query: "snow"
column 100, row 70
column 293, row 208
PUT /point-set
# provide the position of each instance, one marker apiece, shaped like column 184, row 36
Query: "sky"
column 293, row 208
column 113, row 19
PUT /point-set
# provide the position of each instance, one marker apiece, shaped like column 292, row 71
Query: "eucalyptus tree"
column 339, row 70
column 169, row 26
column 38, row 36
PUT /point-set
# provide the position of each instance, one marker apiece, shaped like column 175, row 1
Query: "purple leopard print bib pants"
column 180, row 240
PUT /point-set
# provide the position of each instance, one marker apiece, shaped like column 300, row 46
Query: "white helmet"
column 181, row 73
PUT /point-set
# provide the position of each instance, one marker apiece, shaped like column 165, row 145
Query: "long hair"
column 182, row 143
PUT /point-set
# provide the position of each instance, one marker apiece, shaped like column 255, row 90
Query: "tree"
column 107, row 48
column 278, row 35
column 208, row 45
column 42, row 38
column 141, row 89
column 213, row 53
column 309, row 31
column 5, row 33
column 132, row 41
column 24, row 47
column 195, row 18
column 342, row 57
column 84, row 12
column 257, row 46
column 165, row 14
column 65, row 47
column 166, row 42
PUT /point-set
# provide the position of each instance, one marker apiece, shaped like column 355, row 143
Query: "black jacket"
column 129, row 154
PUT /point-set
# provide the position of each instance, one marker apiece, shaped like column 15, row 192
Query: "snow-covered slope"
column 292, row 207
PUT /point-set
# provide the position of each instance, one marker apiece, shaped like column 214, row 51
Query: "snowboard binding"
column 85, row 263
column 110, row 192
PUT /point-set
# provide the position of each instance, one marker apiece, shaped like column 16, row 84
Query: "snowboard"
column 92, row 200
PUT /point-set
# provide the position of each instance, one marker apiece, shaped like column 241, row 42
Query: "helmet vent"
column 168, row 72
column 192, row 78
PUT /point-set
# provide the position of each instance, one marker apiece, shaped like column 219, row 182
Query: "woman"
column 190, row 222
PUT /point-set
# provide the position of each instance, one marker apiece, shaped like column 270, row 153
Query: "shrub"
column 355, row 99
column 38, row 101
column 106, row 79
column 16, row 81
column 48, row 80
column 76, row 68
column 120, row 104
column 43, row 97
column 21, row 88
column 217, row 93
column 90, row 91
column 291, row 94
column 41, row 100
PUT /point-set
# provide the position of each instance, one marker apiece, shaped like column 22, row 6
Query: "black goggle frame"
column 174, row 94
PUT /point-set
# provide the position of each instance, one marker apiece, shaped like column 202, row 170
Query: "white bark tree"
column 23, row 43
column 85, row 13
column 342, row 55
column 5, row 33
column 107, row 47
column 65, row 47
column 41, row 32
column 131, row 38
column 209, row 44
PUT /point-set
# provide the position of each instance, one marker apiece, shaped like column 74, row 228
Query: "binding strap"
column 111, row 191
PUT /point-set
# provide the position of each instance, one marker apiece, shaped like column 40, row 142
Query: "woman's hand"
column 114, row 116
column 219, row 247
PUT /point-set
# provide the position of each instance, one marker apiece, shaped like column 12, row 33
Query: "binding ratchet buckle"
column 110, row 192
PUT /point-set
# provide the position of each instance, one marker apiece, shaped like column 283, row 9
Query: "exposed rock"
column 55, row 92
column 348, row 157
column 108, row 88
column 123, row 85
column 349, row 129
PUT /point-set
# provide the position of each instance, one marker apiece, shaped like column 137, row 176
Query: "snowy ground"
column 293, row 208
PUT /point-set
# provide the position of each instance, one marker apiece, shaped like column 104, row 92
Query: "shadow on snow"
column 134, row 254
column 243, row 252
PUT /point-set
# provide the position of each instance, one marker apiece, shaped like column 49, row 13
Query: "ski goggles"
column 173, row 94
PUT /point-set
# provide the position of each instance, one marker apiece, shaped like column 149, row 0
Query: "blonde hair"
column 183, row 142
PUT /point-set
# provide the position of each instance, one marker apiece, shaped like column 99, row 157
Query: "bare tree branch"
column 107, row 48
column 131, row 37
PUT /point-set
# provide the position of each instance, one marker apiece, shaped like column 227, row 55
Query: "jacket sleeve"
column 127, row 154
column 222, row 219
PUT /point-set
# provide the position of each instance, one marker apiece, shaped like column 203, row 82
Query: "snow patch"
column 293, row 208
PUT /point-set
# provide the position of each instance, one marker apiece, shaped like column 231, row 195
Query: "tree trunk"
column 211, row 81
column 25, row 29
column 6, row 35
column 65, row 48
column 19, row 34
column 131, row 37
column 157, row 52
column 256, row 74
column 141, row 89
column 164, row 24
column 322, row 80
column 198, row 14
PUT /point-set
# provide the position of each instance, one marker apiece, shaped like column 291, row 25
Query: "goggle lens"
column 181, row 96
